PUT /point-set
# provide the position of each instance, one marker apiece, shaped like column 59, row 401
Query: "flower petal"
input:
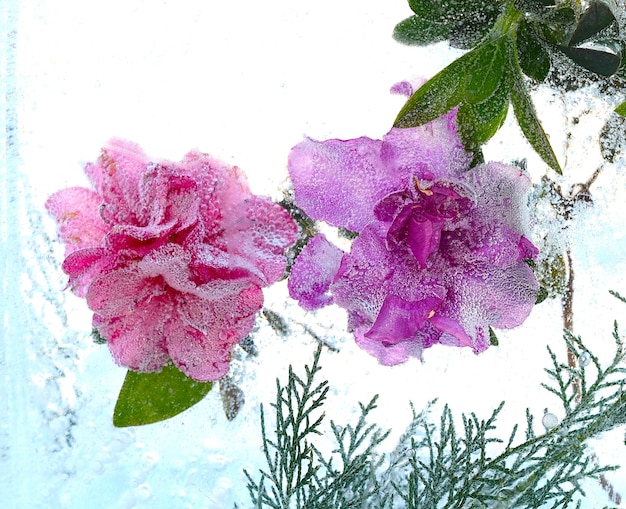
column 201, row 345
column 313, row 272
column 399, row 319
column 340, row 181
column 433, row 151
column 76, row 210
column 261, row 233
column 136, row 340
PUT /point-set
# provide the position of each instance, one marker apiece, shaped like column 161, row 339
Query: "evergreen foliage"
column 441, row 464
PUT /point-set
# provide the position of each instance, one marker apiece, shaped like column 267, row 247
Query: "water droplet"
column 584, row 359
column 549, row 421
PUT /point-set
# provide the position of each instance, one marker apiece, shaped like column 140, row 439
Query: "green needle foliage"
column 443, row 464
column 512, row 45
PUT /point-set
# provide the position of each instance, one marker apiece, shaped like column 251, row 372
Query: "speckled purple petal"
column 313, row 272
column 432, row 151
column 340, row 181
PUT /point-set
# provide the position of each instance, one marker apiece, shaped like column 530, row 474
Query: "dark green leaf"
column 429, row 9
column 437, row 96
column 486, row 71
column 597, row 17
column 493, row 339
column 556, row 25
column 621, row 109
column 146, row 398
column 599, row 62
column 541, row 295
column 97, row 338
column 536, row 7
column 529, row 123
column 470, row 31
column 533, row 57
column 479, row 158
column 416, row 31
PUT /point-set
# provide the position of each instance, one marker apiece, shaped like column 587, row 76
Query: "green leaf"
column 416, row 31
column 479, row 122
column 599, row 62
column 621, row 109
column 493, row 339
column 430, row 9
column 556, row 25
column 146, row 398
column 542, row 295
column 437, row 96
column 486, row 71
column 597, row 17
column 529, row 123
column 533, row 57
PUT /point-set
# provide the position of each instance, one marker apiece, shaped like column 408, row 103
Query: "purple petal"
column 340, row 181
column 313, row 272
column 432, row 151
column 423, row 237
column 399, row 319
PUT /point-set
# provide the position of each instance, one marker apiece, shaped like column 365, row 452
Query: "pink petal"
column 261, row 233
column 201, row 340
column 76, row 209
column 118, row 292
column 84, row 265
column 136, row 340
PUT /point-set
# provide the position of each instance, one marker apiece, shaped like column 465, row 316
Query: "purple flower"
column 441, row 247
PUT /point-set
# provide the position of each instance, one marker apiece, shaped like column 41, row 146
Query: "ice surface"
column 243, row 81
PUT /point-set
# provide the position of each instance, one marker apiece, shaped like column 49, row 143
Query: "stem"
column 567, row 304
column 507, row 21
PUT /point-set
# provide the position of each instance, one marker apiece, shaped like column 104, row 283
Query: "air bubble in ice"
column 549, row 421
column 584, row 359
column 143, row 491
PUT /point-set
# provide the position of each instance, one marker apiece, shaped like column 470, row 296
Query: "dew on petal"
column 171, row 257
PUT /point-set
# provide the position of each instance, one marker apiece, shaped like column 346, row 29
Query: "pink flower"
column 171, row 257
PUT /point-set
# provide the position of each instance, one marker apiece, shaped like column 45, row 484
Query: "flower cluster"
column 440, row 255
column 171, row 257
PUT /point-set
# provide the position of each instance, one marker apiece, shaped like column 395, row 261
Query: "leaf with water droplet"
column 416, row 31
column 529, row 123
column 533, row 57
column 493, row 339
column 477, row 123
column 146, row 398
column 486, row 71
column 621, row 109
column 437, row 96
